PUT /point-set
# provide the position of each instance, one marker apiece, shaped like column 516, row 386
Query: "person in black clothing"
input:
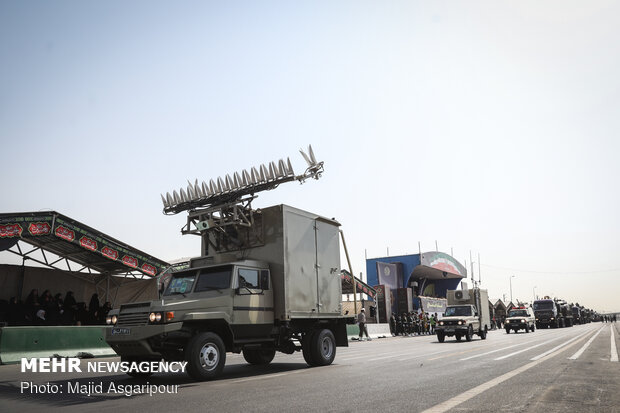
column 393, row 325
column 103, row 312
column 69, row 309
column 93, row 309
column 31, row 305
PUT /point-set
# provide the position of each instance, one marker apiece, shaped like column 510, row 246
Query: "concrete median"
column 374, row 330
column 44, row 341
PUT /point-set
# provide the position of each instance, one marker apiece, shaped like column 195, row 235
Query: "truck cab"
column 520, row 318
column 546, row 313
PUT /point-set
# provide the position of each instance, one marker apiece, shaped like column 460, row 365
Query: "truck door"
column 253, row 303
column 328, row 267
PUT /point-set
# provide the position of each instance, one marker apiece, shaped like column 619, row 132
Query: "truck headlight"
column 459, row 322
column 441, row 323
column 552, row 318
column 108, row 320
column 114, row 319
column 155, row 317
column 523, row 321
column 507, row 321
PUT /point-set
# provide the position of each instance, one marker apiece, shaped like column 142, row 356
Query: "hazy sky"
column 487, row 126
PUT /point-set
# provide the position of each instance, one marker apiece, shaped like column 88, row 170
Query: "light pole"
column 511, row 277
column 534, row 290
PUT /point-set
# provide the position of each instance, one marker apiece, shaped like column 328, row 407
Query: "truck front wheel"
column 469, row 334
column 205, row 355
column 441, row 336
column 259, row 356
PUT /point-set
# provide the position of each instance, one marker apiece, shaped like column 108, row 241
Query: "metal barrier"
column 44, row 341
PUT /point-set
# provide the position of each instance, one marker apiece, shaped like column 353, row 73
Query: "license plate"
column 120, row 331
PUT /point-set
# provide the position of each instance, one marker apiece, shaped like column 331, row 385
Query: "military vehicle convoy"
column 467, row 314
column 268, row 280
column 554, row 313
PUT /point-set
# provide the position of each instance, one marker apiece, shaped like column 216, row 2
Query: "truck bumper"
column 134, row 340
column 452, row 331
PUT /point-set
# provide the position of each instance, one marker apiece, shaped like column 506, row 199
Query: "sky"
column 482, row 126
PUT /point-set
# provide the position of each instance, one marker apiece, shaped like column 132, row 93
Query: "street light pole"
column 511, row 277
column 534, row 290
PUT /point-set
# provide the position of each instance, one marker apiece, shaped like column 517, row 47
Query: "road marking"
column 267, row 376
column 525, row 349
column 585, row 346
column 463, row 397
column 560, row 346
column 454, row 354
column 614, row 351
column 495, row 351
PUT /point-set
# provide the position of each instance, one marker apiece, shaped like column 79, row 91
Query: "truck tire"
column 483, row 333
column 441, row 336
column 323, row 347
column 136, row 374
column 259, row 356
column 469, row 334
column 507, row 331
column 306, row 344
column 527, row 328
column 205, row 355
column 533, row 328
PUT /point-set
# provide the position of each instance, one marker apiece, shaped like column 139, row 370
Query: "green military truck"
column 257, row 289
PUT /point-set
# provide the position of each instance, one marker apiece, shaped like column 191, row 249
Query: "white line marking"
column 495, row 351
column 614, row 351
column 585, row 346
column 560, row 346
column 526, row 349
column 268, row 376
column 463, row 397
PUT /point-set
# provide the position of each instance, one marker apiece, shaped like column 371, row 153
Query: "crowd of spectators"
column 409, row 324
column 48, row 310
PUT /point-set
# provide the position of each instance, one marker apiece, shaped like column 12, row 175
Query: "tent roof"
column 361, row 286
column 71, row 240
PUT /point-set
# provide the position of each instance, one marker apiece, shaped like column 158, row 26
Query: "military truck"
column 272, row 286
column 467, row 314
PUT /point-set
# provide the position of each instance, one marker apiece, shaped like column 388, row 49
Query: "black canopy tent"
column 56, row 241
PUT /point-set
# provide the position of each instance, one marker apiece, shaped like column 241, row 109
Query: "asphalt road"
column 570, row 369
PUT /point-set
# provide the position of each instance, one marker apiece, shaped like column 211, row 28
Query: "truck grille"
column 132, row 319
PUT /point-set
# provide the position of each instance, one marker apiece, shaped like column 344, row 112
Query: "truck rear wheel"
column 483, row 333
column 205, row 355
column 469, row 334
column 533, row 328
column 259, row 356
column 306, row 344
column 323, row 347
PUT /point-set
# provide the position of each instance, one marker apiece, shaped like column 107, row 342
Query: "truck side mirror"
column 264, row 279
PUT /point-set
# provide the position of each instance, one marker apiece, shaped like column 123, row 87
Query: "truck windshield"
column 214, row 279
column 457, row 311
column 543, row 305
column 517, row 313
column 181, row 283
